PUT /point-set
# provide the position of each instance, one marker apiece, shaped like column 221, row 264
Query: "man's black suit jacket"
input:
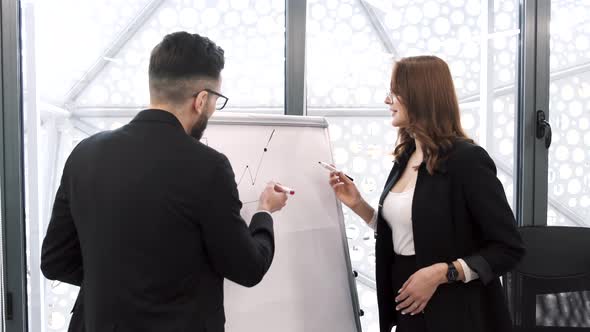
column 147, row 221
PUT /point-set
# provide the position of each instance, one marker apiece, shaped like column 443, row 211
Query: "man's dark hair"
column 178, row 61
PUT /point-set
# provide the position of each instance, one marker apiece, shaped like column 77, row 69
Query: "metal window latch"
column 543, row 128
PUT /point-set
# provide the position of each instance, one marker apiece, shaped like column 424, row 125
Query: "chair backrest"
column 550, row 288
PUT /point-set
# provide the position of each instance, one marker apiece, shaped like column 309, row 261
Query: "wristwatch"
column 452, row 273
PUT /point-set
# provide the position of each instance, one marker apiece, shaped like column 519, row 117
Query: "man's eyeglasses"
column 221, row 99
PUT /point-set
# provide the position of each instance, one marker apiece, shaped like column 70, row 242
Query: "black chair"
column 550, row 289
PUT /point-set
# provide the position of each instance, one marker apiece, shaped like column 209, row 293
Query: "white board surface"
column 309, row 286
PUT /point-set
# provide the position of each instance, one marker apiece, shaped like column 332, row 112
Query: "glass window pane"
column 252, row 36
column 68, row 47
column 351, row 47
column 569, row 112
column 96, row 55
column 85, row 70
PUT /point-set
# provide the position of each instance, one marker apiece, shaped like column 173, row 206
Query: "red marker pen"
column 285, row 189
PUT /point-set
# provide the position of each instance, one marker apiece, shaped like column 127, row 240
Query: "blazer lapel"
column 395, row 173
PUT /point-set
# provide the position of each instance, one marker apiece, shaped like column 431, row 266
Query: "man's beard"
column 199, row 127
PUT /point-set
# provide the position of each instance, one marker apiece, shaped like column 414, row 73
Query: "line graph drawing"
column 254, row 176
column 247, row 174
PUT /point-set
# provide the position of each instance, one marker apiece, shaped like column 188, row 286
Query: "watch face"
column 452, row 273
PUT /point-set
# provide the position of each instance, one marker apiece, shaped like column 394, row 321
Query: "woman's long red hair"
column 423, row 84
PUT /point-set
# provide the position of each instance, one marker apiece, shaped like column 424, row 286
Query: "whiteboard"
column 309, row 286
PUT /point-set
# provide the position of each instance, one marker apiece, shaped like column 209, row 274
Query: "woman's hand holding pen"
column 345, row 190
column 349, row 195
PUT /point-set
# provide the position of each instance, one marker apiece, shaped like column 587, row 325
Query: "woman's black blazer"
column 460, row 211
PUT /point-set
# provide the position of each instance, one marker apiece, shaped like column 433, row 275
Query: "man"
column 147, row 219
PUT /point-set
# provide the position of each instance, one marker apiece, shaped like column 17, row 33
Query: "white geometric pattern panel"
column 368, row 303
column 569, row 114
column 570, row 34
column 60, row 297
column 362, row 148
column 501, row 124
column 569, row 155
column 346, row 63
column 349, row 63
column 250, row 32
column 70, row 36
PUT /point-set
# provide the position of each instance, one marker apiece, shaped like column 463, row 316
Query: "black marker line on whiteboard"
column 254, row 176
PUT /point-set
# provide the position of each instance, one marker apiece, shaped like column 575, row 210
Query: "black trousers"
column 402, row 269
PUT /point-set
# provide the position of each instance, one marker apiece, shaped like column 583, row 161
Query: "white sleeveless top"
column 397, row 212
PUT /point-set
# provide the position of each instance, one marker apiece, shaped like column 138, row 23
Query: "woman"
column 444, row 229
